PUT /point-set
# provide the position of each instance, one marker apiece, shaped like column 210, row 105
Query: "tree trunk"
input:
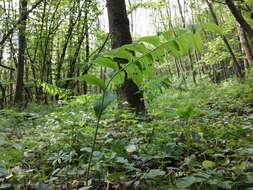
column 87, row 57
column 181, row 13
column 120, row 35
column 245, row 47
column 21, row 54
column 238, row 16
column 236, row 65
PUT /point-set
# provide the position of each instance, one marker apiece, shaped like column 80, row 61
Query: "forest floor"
column 199, row 138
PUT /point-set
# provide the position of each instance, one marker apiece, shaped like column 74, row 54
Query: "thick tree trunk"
column 21, row 54
column 120, row 35
column 238, row 16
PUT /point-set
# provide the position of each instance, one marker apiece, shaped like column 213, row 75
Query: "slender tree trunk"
column 181, row 13
column 78, row 47
column 236, row 65
column 72, row 24
column 87, row 57
column 120, row 35
column 2, row 98
column 21, row 54
column 245, row 46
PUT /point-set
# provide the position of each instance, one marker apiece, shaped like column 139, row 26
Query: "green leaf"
column 91, row 79
column 86, row 149
column 147, row 65
column 246, row 151
column 107, row 62
column 186, row 182
column 3, row 172
column 159, row 52
column 173, row 47
column 119, row 147
column 185, row 43
column 197, row 41
column 167, row 35
column 121, row 160
column 154, row 173
column 207, row 164
column 212, row 27
column 131, row 148
column 123, row 53
column 103, row 103
column 116, row 176
column 153, row 40
column 118, row 78
column 134, row 73
column 140, row 48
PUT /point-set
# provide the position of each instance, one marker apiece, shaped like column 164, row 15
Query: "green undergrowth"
column 199, row 138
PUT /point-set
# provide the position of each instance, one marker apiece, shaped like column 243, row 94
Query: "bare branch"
column 6, row 67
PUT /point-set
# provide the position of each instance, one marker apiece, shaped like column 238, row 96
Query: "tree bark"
column 245, row 46
column 238, row 16
column 120, row 35
column 181, row 13
column 21, row 54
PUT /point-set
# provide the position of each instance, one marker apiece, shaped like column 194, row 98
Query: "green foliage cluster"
column 199, row 138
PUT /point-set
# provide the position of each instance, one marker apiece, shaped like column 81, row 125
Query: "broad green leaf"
column 118, row 147
column 159, row 52
column 103, row 103
column 225, row 184
column 109, row 54
column 167, row 35
column 121, row 160
column 107, row 62
column 207, row 164
column 91, row 79
column 3, row 172
column 147, row 65
column 134, row 73
column 86, row 149
column 140, row 48
column 185, row 43
column 154, row 173
column 186, row 182
column 246, row 151
column 1, row 11
column 173, row 48
column 212, row 27
column 154, row 40
column 123, row 54
column 131, row 148
column 118, row 79
column 197, row 41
